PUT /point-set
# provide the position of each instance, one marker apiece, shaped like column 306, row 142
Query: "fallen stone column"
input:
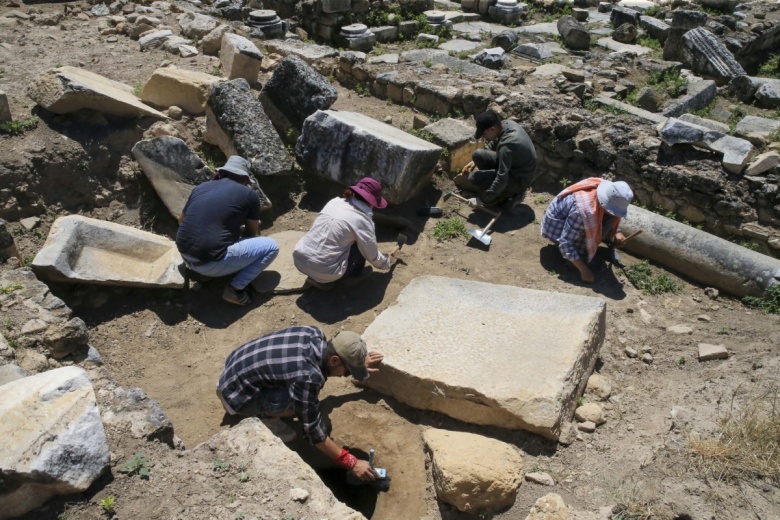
column 710, row 57
column 575, row 36
column 710, row 260
column 347, row 146
column 744, row 87
column 621, row 15
column 238, row 124
column 518, row 361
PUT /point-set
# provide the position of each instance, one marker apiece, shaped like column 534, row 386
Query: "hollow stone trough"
column 86, row 250
column 488, row 354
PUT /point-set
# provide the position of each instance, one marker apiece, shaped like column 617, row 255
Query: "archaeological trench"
column 509, row 389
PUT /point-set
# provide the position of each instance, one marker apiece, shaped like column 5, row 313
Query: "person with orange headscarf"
column 582, row 216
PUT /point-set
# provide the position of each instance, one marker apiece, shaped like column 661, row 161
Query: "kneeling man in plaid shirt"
column 281, row 374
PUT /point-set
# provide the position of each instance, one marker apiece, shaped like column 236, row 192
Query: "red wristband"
column 346, row 460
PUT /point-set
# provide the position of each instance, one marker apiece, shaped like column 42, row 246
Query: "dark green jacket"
column 516, row 157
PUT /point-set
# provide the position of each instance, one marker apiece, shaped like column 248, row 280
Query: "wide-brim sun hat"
column 615, row 197
column 237, row 165
column 371, row 191
column 352, row 350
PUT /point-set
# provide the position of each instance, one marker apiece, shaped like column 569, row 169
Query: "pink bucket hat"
column 371, row 191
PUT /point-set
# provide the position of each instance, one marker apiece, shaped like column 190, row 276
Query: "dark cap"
column 484, row 121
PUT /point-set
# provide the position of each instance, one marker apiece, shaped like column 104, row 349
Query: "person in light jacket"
column 343, row 238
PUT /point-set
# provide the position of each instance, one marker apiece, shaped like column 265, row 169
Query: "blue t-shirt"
column 213, row 217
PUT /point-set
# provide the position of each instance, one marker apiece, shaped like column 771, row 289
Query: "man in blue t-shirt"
column 209, row 237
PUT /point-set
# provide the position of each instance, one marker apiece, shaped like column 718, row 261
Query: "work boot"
column 237, row 296
column 325, row 287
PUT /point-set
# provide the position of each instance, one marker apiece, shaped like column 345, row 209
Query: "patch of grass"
column 671, row 81
column 580, row 401
column 244, row 478
column 737, row 113
column 723, row 331
column 633, row 503
column 361, row 90
column 428, row 63
column 10, row 289
column 449, row 229
column 109, row 505
column 641, row 276
column 681, row 361
column 138, row 88
column 775, row 136
column 749, row 244
column 221, row 464
column 747, row 448
column 215, row 71
column 139, row 465
column 425, row 135
column 654, row 10
column 19, row 126
column 768, row 304
column 541, row 199
column 593, row 106
column 704, row 112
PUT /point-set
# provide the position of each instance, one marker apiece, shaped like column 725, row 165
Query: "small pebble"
column 647, row 358
column 630, row 352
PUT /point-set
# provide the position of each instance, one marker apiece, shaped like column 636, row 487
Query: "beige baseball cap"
column 352, row 350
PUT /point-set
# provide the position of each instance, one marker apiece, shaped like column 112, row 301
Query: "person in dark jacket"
column 210, row 239
column 505, row 168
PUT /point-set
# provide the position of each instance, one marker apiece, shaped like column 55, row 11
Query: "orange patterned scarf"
column 591, row 212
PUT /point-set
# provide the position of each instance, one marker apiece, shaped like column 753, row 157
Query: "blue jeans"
column 271, row 401
column 248, row 257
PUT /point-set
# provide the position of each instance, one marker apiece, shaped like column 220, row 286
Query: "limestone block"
column 621, row 15
column 336, row 6
column 520, row 363
column 437, row 56
column 347, row 146
column 172, row 169
column 282, row 276
column 53, row 438
column 238, row 124
column 212, row 42
column 708, row 56
column 471, row 472
column 457, row 137
column 736, row 152
column 240, row 58
column 68, row 89
column 655, row 28
column 609, row 43
column 763, row 163
column 298, row 90
column 756, row 129
column 154, row 39
column 308, row 52
column 549, row 507
column 709, row 352
column 5, row 109
column 194, row 25
column 85, row 250
column 10, row 373
column 386, row 33
column 533, row 50
column 435, row 99
column 575, row 35
column 186, row 89
column 132, row 410
column 699, row 95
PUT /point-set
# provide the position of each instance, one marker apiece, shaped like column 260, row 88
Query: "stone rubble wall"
column 584, row 144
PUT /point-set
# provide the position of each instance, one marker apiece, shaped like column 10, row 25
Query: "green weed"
column 361, row 90
column 244, row 478
column 425, row 135
column 449, row 229
column 138, row 88
column 641, row 276
column 681, row 361
column 10, row 289
column 723, row 331
column 704, row 112
column 670, row 81
column 139, row 465
column 768, row 304
column 19, row 126
column 580, row 401
column 221, row 464
column 109, row 505
column 428, row 63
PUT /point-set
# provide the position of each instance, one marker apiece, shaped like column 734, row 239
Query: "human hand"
column 364, row 471
column 619, row 239
column 373, row 358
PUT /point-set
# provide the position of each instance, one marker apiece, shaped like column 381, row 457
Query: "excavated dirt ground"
column 173, row 344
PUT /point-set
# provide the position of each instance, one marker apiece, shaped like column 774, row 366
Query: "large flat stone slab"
column 53, row 439
column 308, row 52
column 68, row 89
column 86, row 250
column 347, row 146
column 282, row 276
column 186, row 89
column 172, row 168
column 427, row 57
column 488, row 354
column 609, row 43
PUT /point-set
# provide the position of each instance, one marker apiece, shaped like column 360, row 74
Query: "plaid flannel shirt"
column 291, row 358
column 563, row 224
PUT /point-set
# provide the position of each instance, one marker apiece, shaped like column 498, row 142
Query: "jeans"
column 271, row 401
column 247, row 257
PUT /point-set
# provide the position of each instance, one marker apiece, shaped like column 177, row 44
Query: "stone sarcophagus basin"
column 86, row 250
